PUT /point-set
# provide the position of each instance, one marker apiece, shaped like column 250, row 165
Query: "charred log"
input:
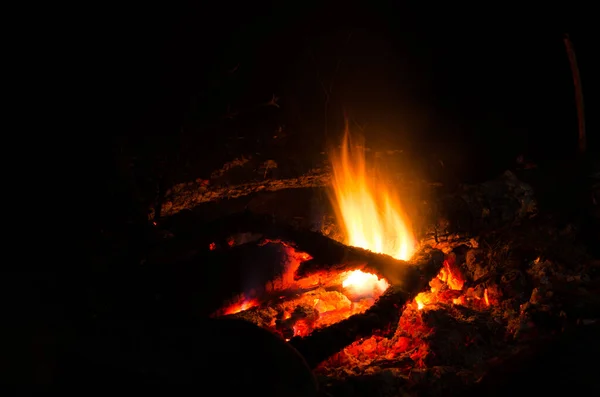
column 381, row 318
column 333, row 256
column 470, row 211
column 189, row 195
column 327, row 254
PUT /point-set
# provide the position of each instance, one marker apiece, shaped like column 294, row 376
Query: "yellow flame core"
column 369, row 210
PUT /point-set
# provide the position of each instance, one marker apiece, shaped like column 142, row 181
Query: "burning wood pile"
column 463, row 308
column 424, row 309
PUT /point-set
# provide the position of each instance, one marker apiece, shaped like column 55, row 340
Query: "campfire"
column 373, row 219
column 420, row 309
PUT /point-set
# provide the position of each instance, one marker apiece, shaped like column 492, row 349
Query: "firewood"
column 186, row 196
column 189, row 195
column 380, row 318
column 327, row 255
column 332, row 256
column 468, row 212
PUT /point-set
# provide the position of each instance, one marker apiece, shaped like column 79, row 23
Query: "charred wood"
column 327, row 254
column 330, row 255
column 191, row 194
column 380, row 318
column 468, row 212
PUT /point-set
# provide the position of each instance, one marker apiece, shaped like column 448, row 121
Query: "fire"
column 368, row 209
column 319, row 300
column 359, row 283
column 241, row 306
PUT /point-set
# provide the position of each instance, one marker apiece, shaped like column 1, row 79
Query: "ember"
column 443, row 286
column 239, row 307
column 297, row 307
column 409, row 345
column 444, row 311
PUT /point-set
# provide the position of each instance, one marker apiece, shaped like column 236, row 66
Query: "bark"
column 189, row 195
column 468, row 212
column 185, row 196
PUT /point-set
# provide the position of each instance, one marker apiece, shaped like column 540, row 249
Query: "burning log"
column 330, row 255
column 327, row 255
column 469, row 212
column 381, row 318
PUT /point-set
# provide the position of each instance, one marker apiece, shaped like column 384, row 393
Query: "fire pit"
column 486, row 304
column 393, row 306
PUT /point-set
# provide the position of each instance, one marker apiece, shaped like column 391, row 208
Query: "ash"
column 518, row 289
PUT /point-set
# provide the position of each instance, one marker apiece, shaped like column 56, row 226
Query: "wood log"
column 380, row 318
column 468, row 212
column 327, row 255
column 330, row 255
column 189, row 195
column 251, row 265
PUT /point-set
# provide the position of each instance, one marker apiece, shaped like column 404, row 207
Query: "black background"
column 471, row 86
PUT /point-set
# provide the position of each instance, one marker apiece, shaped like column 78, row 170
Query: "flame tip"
column 368, row 209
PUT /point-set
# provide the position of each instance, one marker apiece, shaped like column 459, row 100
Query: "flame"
column 368, row 209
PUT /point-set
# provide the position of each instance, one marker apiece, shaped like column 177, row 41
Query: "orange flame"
column 368, row 209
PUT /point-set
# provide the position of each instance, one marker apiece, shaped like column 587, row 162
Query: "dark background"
column 462, row 91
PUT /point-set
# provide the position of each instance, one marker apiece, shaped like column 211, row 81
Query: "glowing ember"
column 368, row 209
column 328, row 297
column 445, row 287
column 240, row 307
column 359, row 283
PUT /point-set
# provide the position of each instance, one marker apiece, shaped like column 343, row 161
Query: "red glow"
column 349, row 293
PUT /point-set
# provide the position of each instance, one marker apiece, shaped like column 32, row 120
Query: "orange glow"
column 420, row 304
column 446, row 287
column 355, row 291
column 451, row 275
column 485, row 297
column 369, row 210
column 359, row 283
column 240, row 307
column 360, row 291
column 423, row 299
